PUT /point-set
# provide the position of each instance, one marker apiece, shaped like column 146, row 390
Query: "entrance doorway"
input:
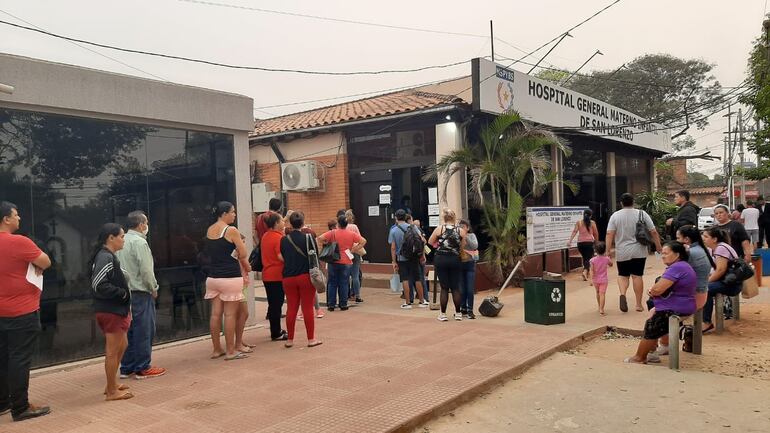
column 376, row 194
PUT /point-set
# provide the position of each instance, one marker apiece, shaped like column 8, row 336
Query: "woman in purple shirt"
column 674, row 293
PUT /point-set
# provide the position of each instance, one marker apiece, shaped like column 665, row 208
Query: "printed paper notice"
column 384, row 198
column 34, row 278
column 549, row 228
column 433, row 209
column 433, row 221
column 433, row 195
column 374, row 211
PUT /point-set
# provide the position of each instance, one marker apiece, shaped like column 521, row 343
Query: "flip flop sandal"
column 288, row 345
column 317, row 343
column 709, row 328
column 630, row 360
column 246, row 349
column 218, row 355
column 238, row 355
column 124, row 396
column 623, row 304
column 639, row 309
column 251, row 346
column 121, row 387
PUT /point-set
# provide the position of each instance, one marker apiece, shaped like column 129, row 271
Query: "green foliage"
column 637, row 88
column 759, row 78
column 659, row 206
column 510, row 163
column 552, row 75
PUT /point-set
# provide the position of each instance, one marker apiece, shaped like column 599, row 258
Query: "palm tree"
column 511, row 163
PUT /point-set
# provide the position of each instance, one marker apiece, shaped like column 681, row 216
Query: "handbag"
column 330, row 253
column 255, row 259
column 641, row 234
column 750, row 288
column 737, row 271
column 317, row 277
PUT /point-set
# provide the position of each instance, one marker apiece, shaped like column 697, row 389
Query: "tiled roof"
column 706, row 190
column 383, row 105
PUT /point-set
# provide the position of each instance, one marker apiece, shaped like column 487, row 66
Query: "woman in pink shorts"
column 228, row 273
column 599, row 264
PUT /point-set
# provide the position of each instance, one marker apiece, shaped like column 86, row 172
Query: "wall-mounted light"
column 448, row 117
column 5, row 88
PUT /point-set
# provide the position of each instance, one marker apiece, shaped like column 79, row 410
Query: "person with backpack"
column 348, row 244
column 407, row 247
column 449, row 240
column 631, row 231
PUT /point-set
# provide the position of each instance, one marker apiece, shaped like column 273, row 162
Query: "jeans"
column 355, row 270
column 339, row 282
column 275, row 295
column 714, row 288
column 139, row 351
column 18, row 338
column 468, row 285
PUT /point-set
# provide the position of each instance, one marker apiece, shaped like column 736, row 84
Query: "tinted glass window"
column 70, row 175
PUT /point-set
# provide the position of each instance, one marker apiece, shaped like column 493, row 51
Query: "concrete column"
column 449, row 137
column 612, row 200
column 653, row 175
column 243, row 207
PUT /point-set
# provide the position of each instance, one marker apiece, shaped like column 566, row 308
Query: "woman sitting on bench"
column 718, row 241
column 673, row 294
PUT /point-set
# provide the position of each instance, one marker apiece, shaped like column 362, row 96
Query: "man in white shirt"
column 630, row 254
column 750, row 217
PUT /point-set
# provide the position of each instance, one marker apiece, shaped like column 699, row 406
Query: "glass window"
column 69, row 175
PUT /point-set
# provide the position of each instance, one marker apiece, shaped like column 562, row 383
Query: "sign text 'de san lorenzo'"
column 498, row 89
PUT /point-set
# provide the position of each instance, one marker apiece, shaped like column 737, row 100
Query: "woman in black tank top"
column 449, row 239
column 228, row 276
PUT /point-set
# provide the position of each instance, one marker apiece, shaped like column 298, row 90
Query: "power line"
column 88, row 49
column 231, row 66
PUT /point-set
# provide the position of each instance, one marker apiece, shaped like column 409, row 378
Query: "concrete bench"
column 673, row 337
column 719, row 310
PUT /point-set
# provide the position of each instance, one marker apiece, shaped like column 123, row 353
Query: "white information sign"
column 549, row 228
column 384, row 199
column 433, row 209
column 373, row 211
column 433, row 221
column 497, row 89
column 433, row 195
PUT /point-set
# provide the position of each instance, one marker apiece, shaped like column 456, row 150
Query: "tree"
column 553, row 75
column 658, row 87
column 759, row 78
column 510, row 163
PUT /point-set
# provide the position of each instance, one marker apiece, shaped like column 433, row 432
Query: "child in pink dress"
column 599, row 264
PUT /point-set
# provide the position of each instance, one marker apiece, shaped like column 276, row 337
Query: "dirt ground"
column 589, row 389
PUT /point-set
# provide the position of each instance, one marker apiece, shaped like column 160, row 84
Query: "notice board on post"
column 549, row 228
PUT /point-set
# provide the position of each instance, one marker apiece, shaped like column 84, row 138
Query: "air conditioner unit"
column 260, row 196
column 299, row 176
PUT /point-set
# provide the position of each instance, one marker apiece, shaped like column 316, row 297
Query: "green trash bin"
column 544, row 301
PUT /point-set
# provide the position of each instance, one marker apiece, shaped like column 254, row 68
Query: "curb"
column 493, row 382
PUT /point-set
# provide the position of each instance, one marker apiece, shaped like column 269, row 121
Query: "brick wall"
column 319, row 206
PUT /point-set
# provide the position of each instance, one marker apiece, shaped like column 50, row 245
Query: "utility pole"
column 740, row 154
column 492, row 39
column 729, row 159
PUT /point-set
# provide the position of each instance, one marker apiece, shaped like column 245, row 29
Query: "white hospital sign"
column 497, row 89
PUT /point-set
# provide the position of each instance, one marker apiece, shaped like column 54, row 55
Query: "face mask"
column 146, row 230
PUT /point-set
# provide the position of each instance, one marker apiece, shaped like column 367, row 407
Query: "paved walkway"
column 380, row 369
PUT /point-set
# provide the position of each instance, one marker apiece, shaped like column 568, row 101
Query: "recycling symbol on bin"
column 556, row 294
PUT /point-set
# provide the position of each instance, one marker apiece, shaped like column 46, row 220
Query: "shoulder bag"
column 642, row 234
column 737, row 272
column 317, row 277
column 330, row 253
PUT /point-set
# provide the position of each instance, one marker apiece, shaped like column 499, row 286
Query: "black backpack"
column 255, row 259
column 413, row 246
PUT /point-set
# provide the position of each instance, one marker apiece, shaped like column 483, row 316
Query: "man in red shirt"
column 19, row 315
column 275, row 207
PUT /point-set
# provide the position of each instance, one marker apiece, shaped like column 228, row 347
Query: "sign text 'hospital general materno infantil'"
column 497, row 89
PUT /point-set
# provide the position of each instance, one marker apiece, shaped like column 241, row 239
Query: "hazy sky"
column 717, row 32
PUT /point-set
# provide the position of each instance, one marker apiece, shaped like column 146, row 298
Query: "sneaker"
column 442, row 317
column 330, row 308
column 458, row 316
column 319, row 313
column 345, row 308
column 406, row 307
column 150, row 372
column 126, row 375
column 423, row 304
column 661, row 351
column 653, row 358
column 471, row 316
column 359, row 300
column 32, row 412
